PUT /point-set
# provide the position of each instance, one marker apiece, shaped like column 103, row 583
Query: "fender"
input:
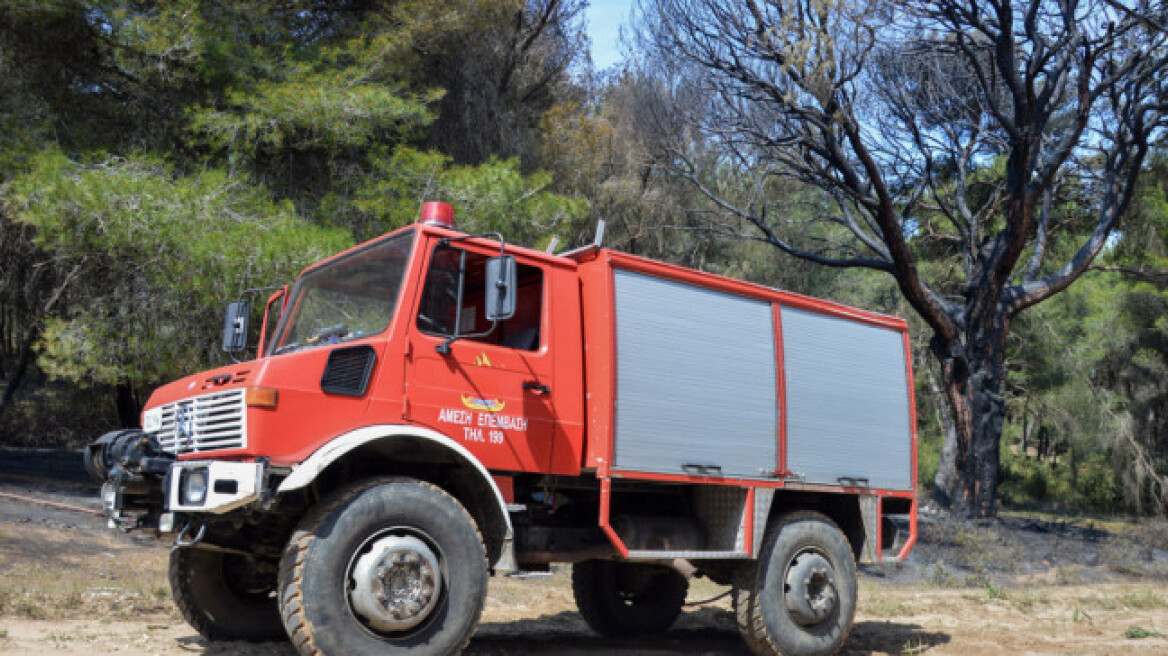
column 306, row 472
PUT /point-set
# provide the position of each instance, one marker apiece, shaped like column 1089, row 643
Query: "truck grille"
column 210, row 422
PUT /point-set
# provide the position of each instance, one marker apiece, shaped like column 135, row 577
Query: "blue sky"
column 604, row 20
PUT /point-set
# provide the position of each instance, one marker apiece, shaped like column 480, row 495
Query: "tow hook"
column 183, row 541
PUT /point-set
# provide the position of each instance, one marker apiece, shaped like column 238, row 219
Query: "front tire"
column 801, row 598
column 222, row 597
column 622, row 599
column 387, row 566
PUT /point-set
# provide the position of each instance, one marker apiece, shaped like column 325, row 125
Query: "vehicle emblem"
column 184, row 424
column 490, row 405
column 481, row 360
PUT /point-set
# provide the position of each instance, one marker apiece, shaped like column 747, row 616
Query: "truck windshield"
column 348, row 298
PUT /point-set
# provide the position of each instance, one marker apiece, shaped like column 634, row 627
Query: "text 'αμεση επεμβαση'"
column 485, row 419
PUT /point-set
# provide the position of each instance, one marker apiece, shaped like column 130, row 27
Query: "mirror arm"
column 444, row 347
column 281, row 292
column 500, row 285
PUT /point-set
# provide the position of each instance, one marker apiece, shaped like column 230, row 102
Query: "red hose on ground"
column 52, row 504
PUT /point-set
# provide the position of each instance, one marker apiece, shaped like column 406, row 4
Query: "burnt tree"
column 930, row 131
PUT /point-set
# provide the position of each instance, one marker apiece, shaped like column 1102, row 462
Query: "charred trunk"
column 946, row 479
column 969, row 472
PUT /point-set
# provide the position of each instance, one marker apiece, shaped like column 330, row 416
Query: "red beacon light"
column 437, row 214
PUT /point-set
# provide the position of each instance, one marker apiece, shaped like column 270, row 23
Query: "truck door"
column 493, row 391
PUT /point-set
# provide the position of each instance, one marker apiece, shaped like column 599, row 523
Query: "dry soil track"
column 1019, row 586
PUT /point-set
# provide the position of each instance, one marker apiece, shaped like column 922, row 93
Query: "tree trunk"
column 968, row 475
column 128, row 406
column 1027, row 426
column 21, row 368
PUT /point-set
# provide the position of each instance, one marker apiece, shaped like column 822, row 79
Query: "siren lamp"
column 437, row 214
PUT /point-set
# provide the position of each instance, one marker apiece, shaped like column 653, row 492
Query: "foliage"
column 493, row 196
column 1084, row 487
column 331, row 111
column 1135, row 367
column 502, row 63
column 1139, row 633
column 157, row 158
column 1133, row 364
column 154, row 256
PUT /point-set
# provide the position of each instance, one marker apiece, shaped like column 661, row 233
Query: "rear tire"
column 623, row 599
column 211, row 590
column 800, row 600
column 387, row 566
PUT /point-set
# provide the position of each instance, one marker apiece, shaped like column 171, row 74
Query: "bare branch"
column 1040, row 240
column 1154, row 276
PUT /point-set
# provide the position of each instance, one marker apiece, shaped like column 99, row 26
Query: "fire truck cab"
column 431, row 407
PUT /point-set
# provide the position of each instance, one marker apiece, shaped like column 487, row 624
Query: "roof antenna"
column 551, row 247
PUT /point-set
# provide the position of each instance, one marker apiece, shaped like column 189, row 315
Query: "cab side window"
column 439, row 309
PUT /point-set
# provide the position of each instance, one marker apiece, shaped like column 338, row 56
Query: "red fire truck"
column 431, row 408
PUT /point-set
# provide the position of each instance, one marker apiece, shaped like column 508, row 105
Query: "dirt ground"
column 1020, row 585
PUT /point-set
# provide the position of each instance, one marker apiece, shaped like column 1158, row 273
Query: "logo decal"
column 490, row 405
column 481, row 360
column 184, row 424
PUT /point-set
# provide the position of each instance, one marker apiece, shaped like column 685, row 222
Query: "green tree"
column 153, row 257
column 1135, row 363
column 156, row 158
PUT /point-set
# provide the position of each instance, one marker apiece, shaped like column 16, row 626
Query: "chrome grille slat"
column 218, row 420
column 218, row 426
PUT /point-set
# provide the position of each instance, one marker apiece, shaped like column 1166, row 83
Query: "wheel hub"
column 810, row 589
column 396, row 583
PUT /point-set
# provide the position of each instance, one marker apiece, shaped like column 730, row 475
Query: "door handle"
column 701, row 469
column 537, row 387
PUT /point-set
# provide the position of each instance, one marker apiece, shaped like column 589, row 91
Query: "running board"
column 647, row 554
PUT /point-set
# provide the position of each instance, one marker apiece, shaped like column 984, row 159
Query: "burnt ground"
column 1018, row 584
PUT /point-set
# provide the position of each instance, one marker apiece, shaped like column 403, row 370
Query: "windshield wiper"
column 321, row 337
column 287, row 348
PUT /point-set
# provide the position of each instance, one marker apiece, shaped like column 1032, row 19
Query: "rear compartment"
column 712, row 377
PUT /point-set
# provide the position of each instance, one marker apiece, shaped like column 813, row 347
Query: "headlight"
column 193, row 486
column 152, row 420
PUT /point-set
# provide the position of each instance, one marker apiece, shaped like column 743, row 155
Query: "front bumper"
column 225, row 486
column 228, row 486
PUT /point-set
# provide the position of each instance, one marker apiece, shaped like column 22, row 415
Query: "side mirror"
column 235, row 322
column 500, row 279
